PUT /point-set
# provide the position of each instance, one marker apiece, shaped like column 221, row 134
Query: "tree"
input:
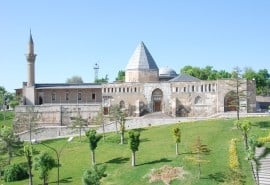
column 79, row 122
column 9, row 142
column 74, row 80
column 238, row 93
column 244, row 126
column 93, row 141
column 44, row 163
column 120, row 117
column 99, row 120
column 3, row 102
column 102, row 80
column 199, row 149
column 134, row 142
column 93, row 175
column 27, row 121
column 177, row 138
column 28, row 153
column 120, row 76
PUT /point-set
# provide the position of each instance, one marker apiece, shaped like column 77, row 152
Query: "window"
column 184, row 89
column 67, row 96
column 192, row 88
column 79, row 96
column 127, row 89
column 104, row 90
column 135, row 89
column 209, row 87
column 123, row 89
column 201, row 88
column 112, row 90
column 93, row 96
column 119, row 89
column 53, row 96
column 176, row 89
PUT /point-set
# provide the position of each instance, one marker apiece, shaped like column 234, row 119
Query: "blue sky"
column 71, row 36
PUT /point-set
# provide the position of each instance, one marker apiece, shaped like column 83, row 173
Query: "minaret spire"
column 31, row 57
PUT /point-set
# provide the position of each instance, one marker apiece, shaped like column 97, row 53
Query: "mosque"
column 146, row 89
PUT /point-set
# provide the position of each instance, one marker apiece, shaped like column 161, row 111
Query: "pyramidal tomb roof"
column 141, row 59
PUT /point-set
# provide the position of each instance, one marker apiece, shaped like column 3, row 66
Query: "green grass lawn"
column 157, row 149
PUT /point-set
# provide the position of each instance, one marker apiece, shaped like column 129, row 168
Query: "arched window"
column 198, row 100
column 122, row 104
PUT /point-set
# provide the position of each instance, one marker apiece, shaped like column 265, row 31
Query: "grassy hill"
column 157, row 149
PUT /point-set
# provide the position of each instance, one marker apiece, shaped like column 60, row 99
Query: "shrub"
column 233, row 158
column 15, row 172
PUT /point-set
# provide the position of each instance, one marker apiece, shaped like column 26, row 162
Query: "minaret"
column 31, row 57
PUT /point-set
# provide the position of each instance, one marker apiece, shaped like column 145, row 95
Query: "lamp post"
column 58, row 153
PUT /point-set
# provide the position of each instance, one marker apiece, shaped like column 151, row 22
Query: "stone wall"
column 53, row 115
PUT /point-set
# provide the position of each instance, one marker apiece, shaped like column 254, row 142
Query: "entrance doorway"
column 157, row 96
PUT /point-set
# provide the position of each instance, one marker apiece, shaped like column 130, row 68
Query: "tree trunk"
column 80, row 134
column 176, row 149
column 93, row 158
column 103, row 130
column 116, row 128
column 30, row 177
column 122, row 138
column 133, row 159
column 245, row 138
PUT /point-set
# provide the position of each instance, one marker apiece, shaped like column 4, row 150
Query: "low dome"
column 167, row 72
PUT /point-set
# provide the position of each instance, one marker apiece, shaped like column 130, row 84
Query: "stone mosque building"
column 146, row 89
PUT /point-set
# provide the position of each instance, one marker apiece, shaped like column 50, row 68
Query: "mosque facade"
column 146, row 89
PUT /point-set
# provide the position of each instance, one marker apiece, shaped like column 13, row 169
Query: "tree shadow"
column 139, row 129
column 144, row 140
column 264, row 124
column 118, row 160
column 218, row 177
column 63, row 180
column 162, row 160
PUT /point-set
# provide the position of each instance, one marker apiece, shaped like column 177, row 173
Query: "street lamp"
column 57, row 152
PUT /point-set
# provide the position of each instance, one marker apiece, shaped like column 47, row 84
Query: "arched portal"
column 230, row 101
column 157, row 96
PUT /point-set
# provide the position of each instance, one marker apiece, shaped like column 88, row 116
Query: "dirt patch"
column 166, row 174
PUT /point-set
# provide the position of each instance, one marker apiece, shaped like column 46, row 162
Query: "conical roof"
column 141, row 59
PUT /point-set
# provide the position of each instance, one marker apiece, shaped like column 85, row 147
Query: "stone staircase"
column 264, row 169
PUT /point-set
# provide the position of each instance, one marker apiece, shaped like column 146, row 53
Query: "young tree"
column 237, row 93
column 93, row 141
column 79, row 122
column 99, row 120
column 122, row 123
column 244, row 126
column 9, row 142
column 199, row 149
column 27, row 121
column 28, row 153
column 44, row 163
column 119, row 117
column 134, row 142
column 3, row 94
column 177, row 138
column 93, row 175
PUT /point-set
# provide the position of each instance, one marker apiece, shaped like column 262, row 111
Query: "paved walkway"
column 264, row 168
